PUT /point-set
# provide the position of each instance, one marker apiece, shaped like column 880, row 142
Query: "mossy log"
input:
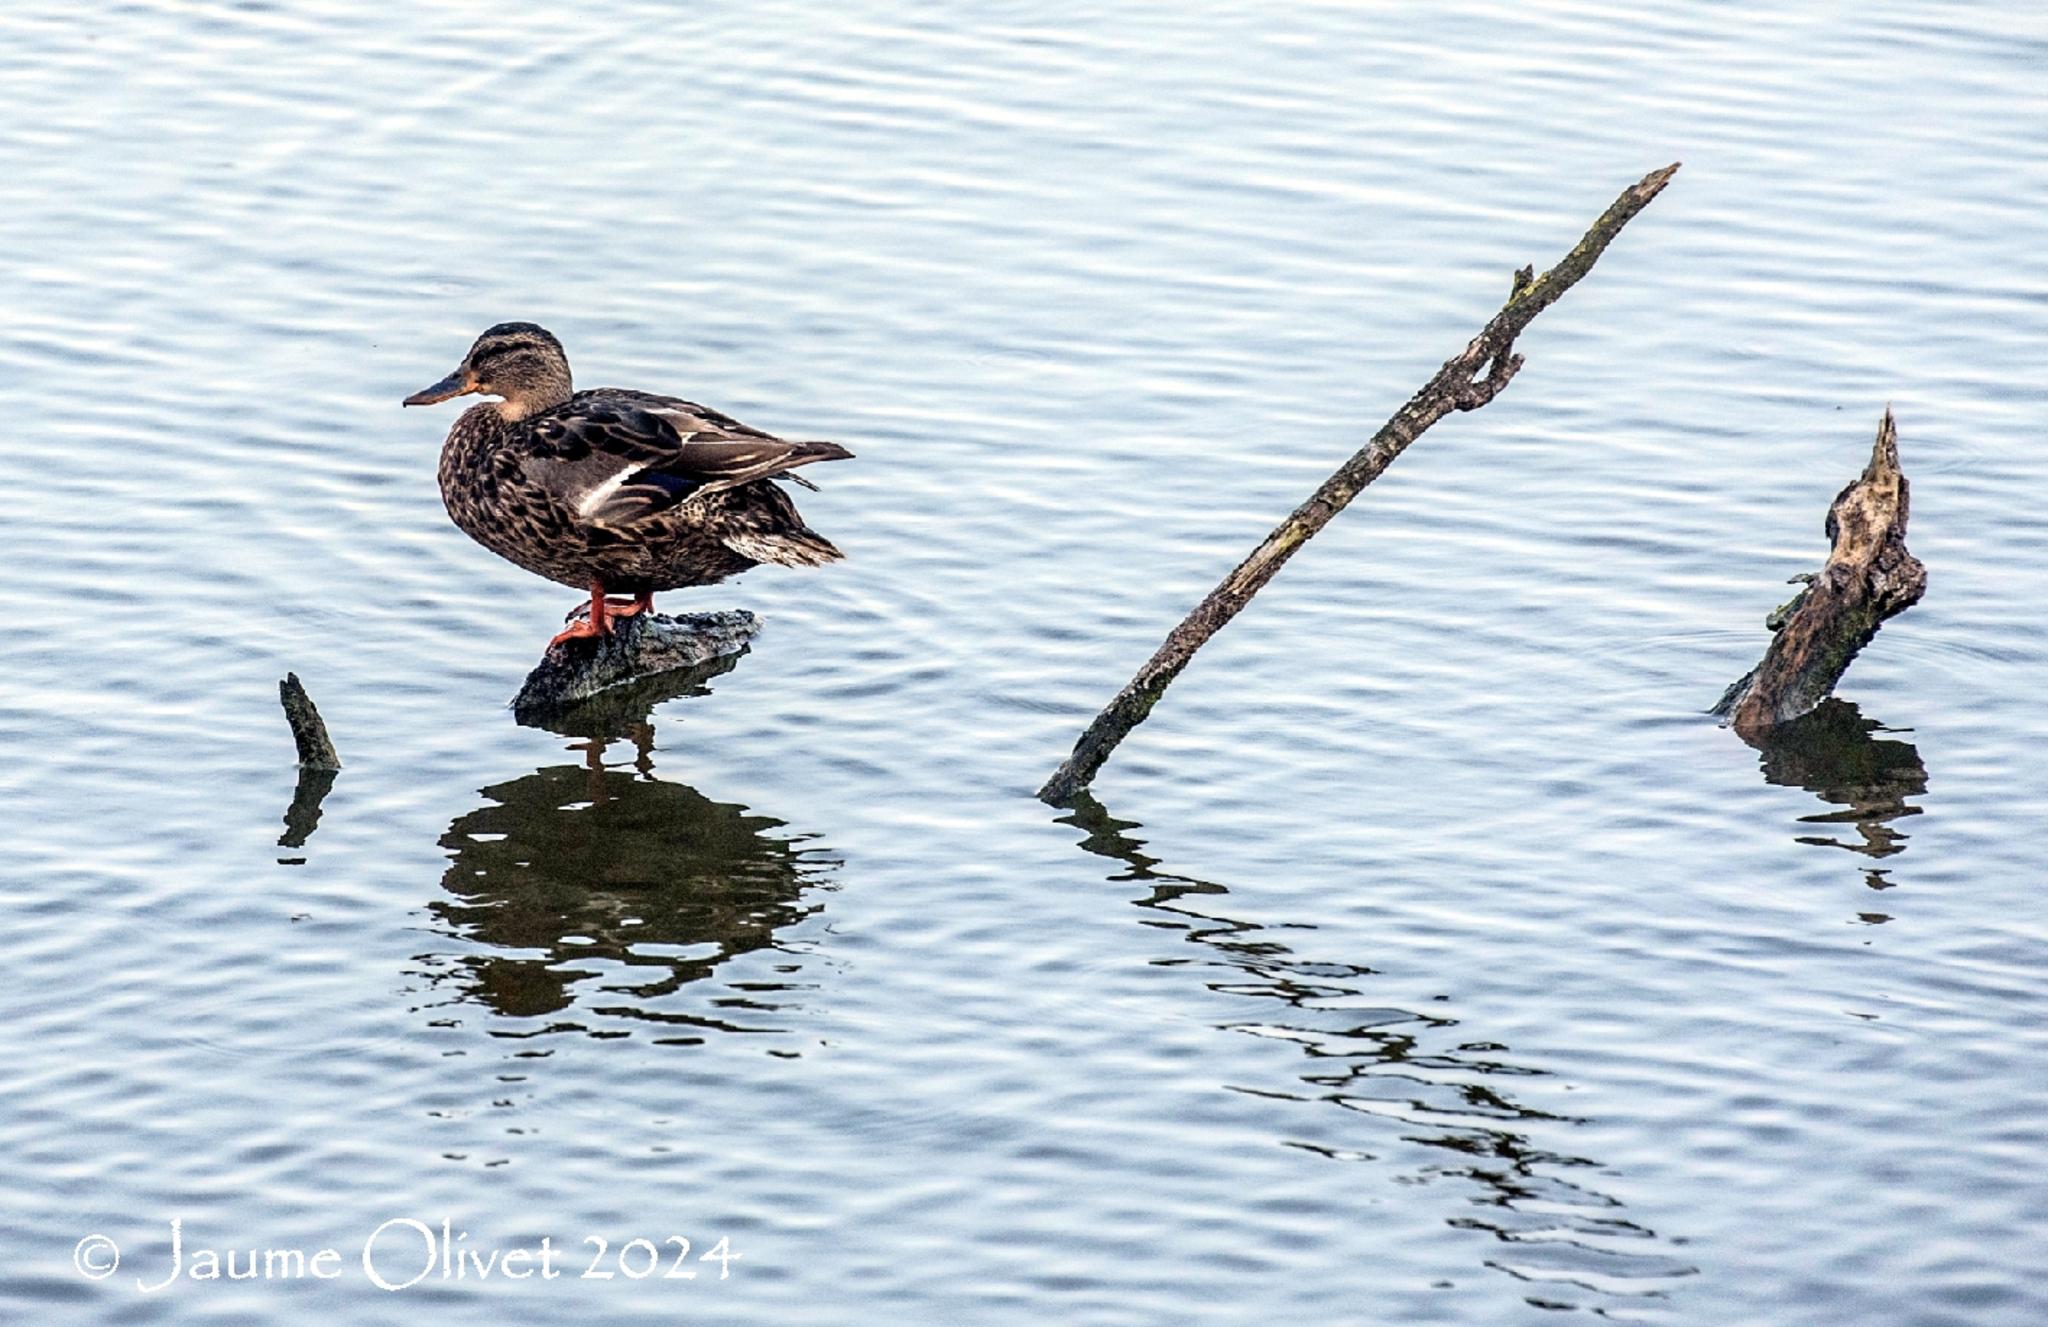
column 1869, row 577
column 642, row 646
column 1467, row 381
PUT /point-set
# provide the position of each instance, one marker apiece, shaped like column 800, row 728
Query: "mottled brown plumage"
column 612, row 490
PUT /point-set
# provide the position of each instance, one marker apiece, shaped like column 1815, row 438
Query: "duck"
column 611, row 490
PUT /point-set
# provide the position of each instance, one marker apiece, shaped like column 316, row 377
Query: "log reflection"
column 611, row 892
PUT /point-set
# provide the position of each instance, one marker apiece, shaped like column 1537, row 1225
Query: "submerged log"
column 1467, row 381
column 638, row 647
column 623, row 710
column 1869, row 577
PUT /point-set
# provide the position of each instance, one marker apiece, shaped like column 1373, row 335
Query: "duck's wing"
column 615, row 457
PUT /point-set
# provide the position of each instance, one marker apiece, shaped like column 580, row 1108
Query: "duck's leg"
column 642, row 603
column 597, row 624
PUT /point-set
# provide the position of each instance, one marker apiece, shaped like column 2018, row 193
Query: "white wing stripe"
column 603, row 492
column 600, row 495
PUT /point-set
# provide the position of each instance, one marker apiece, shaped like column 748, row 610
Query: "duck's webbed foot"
column 581, row 629
column 602, row 611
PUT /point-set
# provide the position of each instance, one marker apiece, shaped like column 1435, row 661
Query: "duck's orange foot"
column 581, row 629
column 602, row 610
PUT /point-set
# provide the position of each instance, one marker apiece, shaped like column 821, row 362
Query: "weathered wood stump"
column 1869, row 577
column 638, row 647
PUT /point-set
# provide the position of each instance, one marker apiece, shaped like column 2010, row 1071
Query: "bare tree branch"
column 1458, row 385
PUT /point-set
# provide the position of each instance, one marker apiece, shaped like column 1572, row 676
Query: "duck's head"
column 518, row 361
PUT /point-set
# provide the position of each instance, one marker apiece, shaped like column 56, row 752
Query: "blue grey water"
column 1428, row 957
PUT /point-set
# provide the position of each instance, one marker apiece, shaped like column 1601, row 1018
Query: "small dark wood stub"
column 309, row 733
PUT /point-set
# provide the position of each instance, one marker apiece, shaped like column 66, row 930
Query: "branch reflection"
column 1423, row 1081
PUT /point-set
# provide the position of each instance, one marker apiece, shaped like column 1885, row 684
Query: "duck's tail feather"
column 816, row 450
column 800, row 547
column 803, row 453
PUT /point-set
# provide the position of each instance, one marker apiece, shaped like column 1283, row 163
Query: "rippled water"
column 1428, row 957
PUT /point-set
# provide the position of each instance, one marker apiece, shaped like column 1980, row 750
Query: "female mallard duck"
column 611, row 490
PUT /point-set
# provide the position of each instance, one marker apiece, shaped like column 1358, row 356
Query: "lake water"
column 1428, row 957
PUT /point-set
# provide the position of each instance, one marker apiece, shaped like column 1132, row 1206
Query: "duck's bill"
column 455, row 384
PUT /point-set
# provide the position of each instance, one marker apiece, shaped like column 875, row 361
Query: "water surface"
column 1428, row 957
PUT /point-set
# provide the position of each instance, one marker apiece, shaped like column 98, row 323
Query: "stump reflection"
column 302, row 817
column 1834, row 753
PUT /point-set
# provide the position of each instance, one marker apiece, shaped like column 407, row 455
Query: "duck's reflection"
column 1835, row 754
column 1426, row 1080
column 594, row 894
